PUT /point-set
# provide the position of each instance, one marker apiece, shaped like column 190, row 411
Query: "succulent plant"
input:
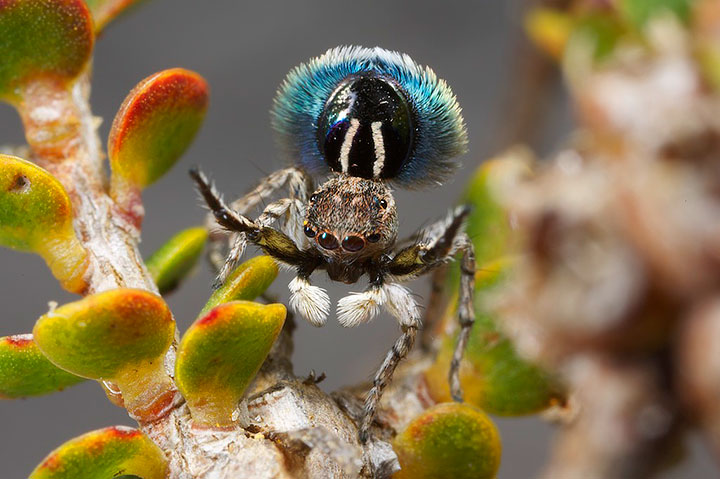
column 596, row 279
column 227, row 384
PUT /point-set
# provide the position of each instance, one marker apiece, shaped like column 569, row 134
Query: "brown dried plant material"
column 617, row 284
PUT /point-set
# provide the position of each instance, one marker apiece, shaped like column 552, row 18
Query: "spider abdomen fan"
column 370, row 113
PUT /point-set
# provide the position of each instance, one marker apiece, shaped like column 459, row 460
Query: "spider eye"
column 328, row 241
column 309, row 232
column 380, row 202
column 373, row 238
column 353, row 243
column 366, row 128
column 313, row 198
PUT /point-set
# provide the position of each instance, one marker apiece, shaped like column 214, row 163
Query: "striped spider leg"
column 436, row 245
column 225, row 249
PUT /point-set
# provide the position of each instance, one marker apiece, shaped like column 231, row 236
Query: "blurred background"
column 244, row 49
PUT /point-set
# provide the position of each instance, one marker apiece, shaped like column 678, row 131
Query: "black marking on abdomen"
column 366, row 128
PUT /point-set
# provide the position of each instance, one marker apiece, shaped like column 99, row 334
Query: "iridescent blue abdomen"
column 370, row 113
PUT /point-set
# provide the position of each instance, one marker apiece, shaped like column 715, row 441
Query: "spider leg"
column 273, row 242
column 437, row 245
column 298, row 184
column 224, row 215
column 272, row 212
column 466, row 314
column 399, row 302
column 382, row 378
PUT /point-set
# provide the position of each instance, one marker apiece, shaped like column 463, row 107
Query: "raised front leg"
column 309, row 301
column 298, row 185
column 273, row 242
column 271, row 213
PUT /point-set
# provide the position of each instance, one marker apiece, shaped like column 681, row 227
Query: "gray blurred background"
column 244, row 49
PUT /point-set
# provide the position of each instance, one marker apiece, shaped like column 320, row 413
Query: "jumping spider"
column 367, row 117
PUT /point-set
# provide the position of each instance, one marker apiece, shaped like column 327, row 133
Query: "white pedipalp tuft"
column 310, row 302
column 401, row 304
column 358, row 308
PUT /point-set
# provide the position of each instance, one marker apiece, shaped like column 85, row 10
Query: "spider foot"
column 358, row 308
column 310, row 302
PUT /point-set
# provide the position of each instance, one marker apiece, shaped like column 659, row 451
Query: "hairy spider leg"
column 270, row 214
column 435, row 246
column 309, row 300
column 382, row 378
column 298, row 184
column 466, row 314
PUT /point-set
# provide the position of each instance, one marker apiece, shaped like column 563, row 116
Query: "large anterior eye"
column 366, row 128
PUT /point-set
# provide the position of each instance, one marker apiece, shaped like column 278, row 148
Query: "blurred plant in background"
column 615, row 286
column 596, row 277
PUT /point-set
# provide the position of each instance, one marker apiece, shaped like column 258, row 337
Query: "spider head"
column 350, row 217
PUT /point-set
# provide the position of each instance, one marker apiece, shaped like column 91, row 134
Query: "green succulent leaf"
column 221, row 353
column 449, row 440
column 154, row 126
column 25, row 371
column 175, row 259
column 42, row 39
column 493, row 376
column 105, row 11
column 488, row 224
column 638, row 12
column 36, row 215
column 246, row 282
column 602, row 30
column 119, row 336
column 105, row 454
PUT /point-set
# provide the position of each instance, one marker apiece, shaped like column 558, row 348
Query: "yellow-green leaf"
column 221, row 353
column 638, row 12
column 549, row 29
column 450, row 440
column 175, row 259
column 118, row 336
column 25, row 371
column 154, row 126
column 105, row 454
column 36, row 215
column 48, row 39
column 246, row 282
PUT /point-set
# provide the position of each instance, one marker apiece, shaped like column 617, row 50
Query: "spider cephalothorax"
column 351, row 219
column 366, row 117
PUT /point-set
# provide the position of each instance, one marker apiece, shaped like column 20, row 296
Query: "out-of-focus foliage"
column 493, row 376
column 449, row 440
